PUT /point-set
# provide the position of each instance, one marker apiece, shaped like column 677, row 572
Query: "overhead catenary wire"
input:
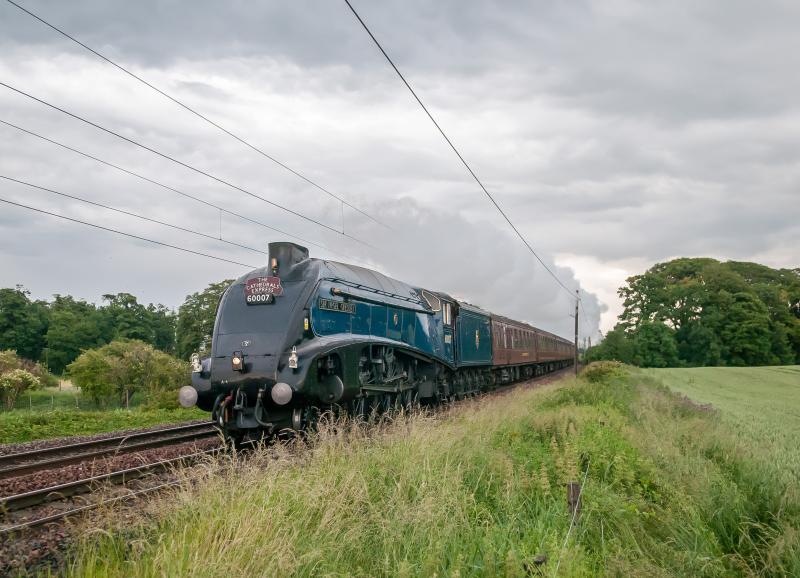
column 183, row 164
column 164, row 186
column 193, row 111
column 131, row 214
column 131, row 235
column 455, row 150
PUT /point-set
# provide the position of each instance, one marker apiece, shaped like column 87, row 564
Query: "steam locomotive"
column 303, row 335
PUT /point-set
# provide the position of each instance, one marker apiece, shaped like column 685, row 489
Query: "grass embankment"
column 24, row 425
column 479, row 491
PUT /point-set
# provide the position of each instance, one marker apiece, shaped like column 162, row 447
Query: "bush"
column 13, row 383
column 598, row 371
column 124, row 368
column 167, row 399
column 18, row 375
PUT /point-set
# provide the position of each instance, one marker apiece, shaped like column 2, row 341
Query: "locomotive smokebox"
column 283, row 256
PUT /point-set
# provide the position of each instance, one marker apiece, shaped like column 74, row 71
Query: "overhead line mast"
column 201, row 116
column 183, row 164
column 455, row 150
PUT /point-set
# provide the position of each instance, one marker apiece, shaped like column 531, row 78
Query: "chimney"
column 283, row 256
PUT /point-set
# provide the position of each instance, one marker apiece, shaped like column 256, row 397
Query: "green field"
column 671, row 490
column 762, row 404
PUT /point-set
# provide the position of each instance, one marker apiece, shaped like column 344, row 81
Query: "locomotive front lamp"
column 197, row 367
column 237, row 361
column 274, row 265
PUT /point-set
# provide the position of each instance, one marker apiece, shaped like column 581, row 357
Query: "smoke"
column 481, row 262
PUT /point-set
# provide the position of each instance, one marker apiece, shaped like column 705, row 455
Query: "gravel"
column 45, row 478
column 43, row 547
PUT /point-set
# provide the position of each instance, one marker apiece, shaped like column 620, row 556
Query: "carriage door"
column 507, row 344
column 447, row 325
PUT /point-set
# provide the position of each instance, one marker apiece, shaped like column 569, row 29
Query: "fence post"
column 30, row 402
column 574, row 498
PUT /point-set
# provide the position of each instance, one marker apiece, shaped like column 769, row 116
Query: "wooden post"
column 574, row 498
column 577, row 301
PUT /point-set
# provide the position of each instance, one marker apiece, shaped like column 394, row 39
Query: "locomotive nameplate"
column 262, row 290
column 340, row 306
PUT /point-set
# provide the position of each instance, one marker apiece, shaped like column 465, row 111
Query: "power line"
column 110, row 230
column 131, row 214
column 162, row 185
column 199, row 115
column 181, row 163
column 455, row 150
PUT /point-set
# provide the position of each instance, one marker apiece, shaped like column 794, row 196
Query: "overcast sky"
column 616, row 134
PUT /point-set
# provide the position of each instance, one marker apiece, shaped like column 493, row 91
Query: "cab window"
column 447, row 313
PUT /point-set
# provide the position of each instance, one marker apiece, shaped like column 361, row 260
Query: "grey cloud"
column 623, row 131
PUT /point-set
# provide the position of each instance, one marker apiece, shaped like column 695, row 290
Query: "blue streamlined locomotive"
column 302, row 335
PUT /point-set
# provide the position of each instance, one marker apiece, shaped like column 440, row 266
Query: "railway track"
column 24, row 463
column 60, row 492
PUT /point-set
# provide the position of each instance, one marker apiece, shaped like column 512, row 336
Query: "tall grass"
column 479, row 491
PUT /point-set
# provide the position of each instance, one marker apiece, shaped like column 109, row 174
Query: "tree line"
column 54, row 333
column 700, row 311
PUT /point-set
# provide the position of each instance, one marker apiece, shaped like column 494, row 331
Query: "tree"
column 196, row 318
column 745, row 331
column 654, row 346
column 616, row 346
column 125, row 368
column 23, row 323
column 58, row 331
column 667, row 292
column 129, row 319
column 14, row 383
column 92, row 372
column 698, row 345
column 730, row 313
column 163, row 322
column 74, row 326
